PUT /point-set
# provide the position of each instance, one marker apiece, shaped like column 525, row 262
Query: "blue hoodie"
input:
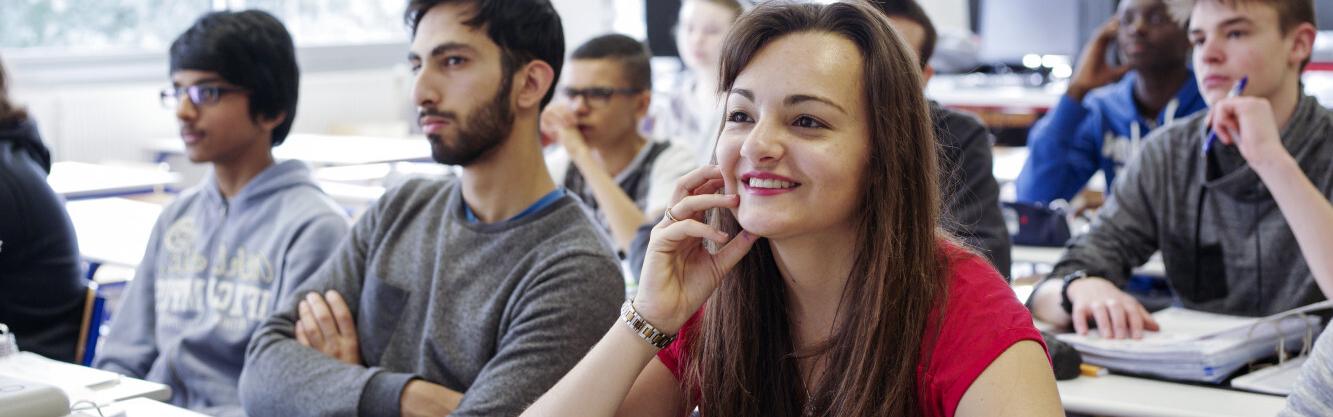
column 213, row 272
column 1074, row 141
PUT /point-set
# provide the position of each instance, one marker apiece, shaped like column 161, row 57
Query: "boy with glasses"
column 226, row 252
column 624, row 178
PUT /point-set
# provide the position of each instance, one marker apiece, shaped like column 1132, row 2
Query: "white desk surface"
column 113, row 231
column 141, row 407
column 81, row 382
column 76, row 180
column 331, row 149
column 967, row 91
column 382, row 173
column 351, row 195
column 130, row 388
column 1008, row 162
column 1049, row 256
column 1126, row 396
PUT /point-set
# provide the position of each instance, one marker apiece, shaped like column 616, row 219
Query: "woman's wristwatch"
column 642, row 328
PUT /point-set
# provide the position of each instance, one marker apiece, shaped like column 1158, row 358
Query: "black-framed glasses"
column 597, row 96
column 200, row 95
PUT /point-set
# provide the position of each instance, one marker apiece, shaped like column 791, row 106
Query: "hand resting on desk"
column 1117, row 314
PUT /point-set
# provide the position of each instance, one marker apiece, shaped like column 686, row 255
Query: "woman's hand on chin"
column 679, row 273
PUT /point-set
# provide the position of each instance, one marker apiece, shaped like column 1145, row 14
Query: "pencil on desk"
column 1091, row 370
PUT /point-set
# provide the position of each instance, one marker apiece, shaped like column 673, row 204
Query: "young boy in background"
column 227, row 251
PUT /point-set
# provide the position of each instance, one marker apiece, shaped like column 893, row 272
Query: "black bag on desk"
column 1065, row 360
column 1039, row 225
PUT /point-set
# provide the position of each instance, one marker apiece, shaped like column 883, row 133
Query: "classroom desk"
column 329, row 150
column 130, row 388
column 352, row 195
column 113, row 231
column 975, row 91
column 1008, row 162
column 383, row 173
column 141, row 407
column 80, row 382
column 1127, row 396
column 80, row 180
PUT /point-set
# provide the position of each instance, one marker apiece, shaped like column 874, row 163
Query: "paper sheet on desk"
column 1179, row 326
column 1180, row 330
column 1199, row 346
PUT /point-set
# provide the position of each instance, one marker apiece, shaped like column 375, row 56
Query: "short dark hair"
column 525, row 30
column 251, row 49
column 633, row 56
column 910, row 10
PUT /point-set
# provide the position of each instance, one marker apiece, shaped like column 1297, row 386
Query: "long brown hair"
column 742, row 356
column 9, row 112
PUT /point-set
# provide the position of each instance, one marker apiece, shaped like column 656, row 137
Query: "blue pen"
column 1235, row 91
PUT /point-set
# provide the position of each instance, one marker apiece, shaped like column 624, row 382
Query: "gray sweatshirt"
column 213, row 271
column 1312, row 396
column 1235, row 256
column 498, row 312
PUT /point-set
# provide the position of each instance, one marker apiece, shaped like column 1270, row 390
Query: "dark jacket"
column 969, row 192
column 41, row 284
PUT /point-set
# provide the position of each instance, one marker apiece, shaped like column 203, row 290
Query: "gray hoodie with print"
column 213, row 272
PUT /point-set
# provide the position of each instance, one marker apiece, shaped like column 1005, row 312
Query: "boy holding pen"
column 1222, row 218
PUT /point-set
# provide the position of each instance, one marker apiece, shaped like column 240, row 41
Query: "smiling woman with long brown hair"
column 834, row 291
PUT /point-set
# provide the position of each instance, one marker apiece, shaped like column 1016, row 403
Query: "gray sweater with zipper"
column 1226, row 246
column 498, row 312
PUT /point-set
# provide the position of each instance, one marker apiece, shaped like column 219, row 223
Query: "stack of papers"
column 1198, row 346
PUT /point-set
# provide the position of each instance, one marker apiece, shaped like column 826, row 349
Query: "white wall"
column 947, row 13
column 105, row 108
column 585, row 19
column 116, row 121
